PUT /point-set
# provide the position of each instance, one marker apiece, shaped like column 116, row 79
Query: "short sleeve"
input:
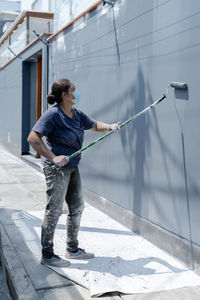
column 86, row 121
column 45, row 123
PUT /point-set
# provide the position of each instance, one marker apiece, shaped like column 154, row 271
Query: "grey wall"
column 10, row 5
column 18, row 98
column 11, row 106
column 142, row 167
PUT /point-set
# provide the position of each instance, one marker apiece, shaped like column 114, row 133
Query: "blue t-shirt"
column 64, row 135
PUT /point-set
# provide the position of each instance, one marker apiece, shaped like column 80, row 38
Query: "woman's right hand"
column 60, row 160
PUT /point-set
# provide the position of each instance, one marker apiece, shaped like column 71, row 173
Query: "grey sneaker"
column 54, row 261
column 80, row 254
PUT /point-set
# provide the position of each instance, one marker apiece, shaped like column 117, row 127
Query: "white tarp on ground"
column 123, row 262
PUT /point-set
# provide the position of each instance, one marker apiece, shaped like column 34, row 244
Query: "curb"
column 18, row 280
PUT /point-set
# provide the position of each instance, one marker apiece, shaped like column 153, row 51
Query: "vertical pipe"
column 47, row 68
column 39, row 92
column 27, row 29
column 187, row 198
column 116, row 37
column 39, row 88
column 184, row 87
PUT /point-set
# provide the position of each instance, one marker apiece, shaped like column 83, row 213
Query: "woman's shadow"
column 120, row 267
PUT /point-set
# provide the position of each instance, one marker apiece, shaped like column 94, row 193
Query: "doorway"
column 31, row 99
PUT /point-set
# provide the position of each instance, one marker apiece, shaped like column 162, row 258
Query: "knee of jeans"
column 54, row 213
column 77, row 210
column 59, row 211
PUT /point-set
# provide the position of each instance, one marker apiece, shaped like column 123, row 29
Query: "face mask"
column 76, row 94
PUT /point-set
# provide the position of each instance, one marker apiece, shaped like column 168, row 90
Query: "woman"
column 63, row 125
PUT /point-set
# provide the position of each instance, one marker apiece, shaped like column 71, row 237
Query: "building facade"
column 122, row 58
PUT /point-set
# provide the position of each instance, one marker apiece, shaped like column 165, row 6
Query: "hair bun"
column 51, row 99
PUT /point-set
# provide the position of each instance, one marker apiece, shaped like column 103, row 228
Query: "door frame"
column 26, row 90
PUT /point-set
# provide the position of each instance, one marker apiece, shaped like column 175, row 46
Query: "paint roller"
column 179, row 85
column 176, row 85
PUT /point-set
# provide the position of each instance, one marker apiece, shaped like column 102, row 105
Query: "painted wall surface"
column 10, row 98
column 37, row 5
column 122, row 60
column 10, row 5
column 13, row 83
column 66, row 10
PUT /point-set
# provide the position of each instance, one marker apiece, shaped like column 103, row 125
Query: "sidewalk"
column 22, row 188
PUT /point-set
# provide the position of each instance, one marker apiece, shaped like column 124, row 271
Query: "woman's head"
column 57, row 89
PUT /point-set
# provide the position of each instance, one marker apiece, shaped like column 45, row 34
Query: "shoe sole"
column 51, row 265
column 79, row 257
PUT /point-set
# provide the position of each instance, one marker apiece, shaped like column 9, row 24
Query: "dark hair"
column 59, row 86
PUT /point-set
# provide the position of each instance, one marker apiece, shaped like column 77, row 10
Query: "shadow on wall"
column 135, row 140
column 136, row 144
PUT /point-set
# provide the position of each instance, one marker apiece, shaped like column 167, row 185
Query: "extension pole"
column 123, row 124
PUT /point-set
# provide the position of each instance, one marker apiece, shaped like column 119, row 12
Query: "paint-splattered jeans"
column 62, row 184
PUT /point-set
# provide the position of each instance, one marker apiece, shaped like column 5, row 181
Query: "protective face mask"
column 76, row 94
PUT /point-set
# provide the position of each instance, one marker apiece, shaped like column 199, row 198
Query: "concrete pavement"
column 23, row 188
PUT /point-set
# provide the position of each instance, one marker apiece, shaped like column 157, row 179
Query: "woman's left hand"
column 114, row 126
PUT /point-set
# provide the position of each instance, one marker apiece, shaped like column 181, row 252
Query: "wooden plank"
column 38, row 14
